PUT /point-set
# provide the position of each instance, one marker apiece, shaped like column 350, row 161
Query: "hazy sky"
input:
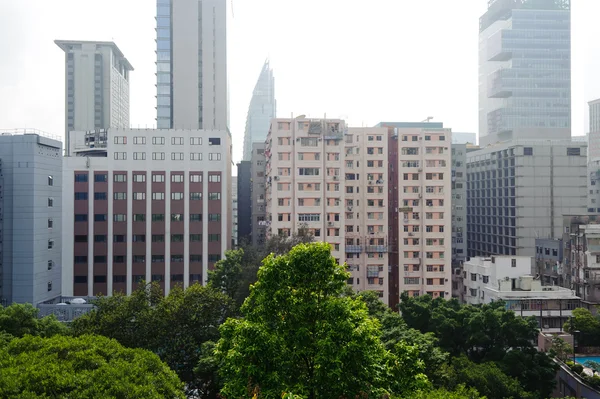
column 367, row 62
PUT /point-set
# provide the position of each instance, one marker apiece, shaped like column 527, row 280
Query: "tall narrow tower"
column 191, row 64
column 262, row 109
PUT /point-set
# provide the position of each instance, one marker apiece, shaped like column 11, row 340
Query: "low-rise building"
column 508, row 278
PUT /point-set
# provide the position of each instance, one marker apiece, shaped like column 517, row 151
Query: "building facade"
column 97, row 85
column 519, row 191
column 191, row 65
column 144, row 205
column 507, row 278
column 30, row 217
column 244, row 192
column 548, row 261
column 594, row 131
column 234, row 216
column 262, row 109
column 333, row 181
column 258, row 194
column 525, row 71
column 459, row 204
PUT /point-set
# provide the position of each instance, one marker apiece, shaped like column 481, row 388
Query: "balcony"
column 354, row 249
column 496, row 47
column 497, row 84
column 377, row 248
column 593, row 249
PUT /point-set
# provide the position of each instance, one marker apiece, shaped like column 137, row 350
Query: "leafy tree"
column 487, row 378
column 17, row 320
column 226, row 277
column 301, row 334
column 175, row 327
column 461, row 392
column 280, row 245
column 83, row 367
column 587, row 325
column 560, row 348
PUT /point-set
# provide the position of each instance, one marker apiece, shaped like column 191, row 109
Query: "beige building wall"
column 333, row 181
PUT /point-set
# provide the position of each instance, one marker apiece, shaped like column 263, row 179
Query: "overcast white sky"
column 401, row 60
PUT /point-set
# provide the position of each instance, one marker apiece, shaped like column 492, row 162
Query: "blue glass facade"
column 528, row 69
column 262, row 109
column 164, row 78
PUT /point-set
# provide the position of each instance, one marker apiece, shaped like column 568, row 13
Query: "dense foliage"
column 300, row 334
column 84, row 367
column 176, row 326
column 18, row 320
column 587, row 326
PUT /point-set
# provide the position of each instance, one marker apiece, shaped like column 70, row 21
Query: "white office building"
column 508, row 278
column 191, row 65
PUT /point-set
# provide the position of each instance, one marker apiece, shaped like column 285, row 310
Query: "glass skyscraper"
column 262, row 109
column 525, row 70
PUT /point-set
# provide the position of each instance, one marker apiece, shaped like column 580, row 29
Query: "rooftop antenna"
column 428, row 119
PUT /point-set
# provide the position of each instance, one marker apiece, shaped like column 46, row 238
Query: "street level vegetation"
column 285, row 326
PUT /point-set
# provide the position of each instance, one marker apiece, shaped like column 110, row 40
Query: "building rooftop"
column 64, row 45
column 412, row 125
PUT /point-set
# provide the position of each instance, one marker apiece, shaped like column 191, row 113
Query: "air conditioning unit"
column 275, row 177
column 336, row 178
column 420, row 169
column 411, row 234
column 329, row 223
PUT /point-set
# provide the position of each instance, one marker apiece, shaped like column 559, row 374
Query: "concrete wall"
column 29, row 225
column 258, row 194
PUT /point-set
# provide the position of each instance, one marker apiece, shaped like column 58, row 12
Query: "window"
column 81, row 177
column 195, row 237
column 214, row 196
column 195, row 258
column 214, row 237
column 214, row 156
column 158, row 141
column 158, row 258
column 120, row 140
column 212, row 258
column 214, row 217
column 79, row 196
column 177, row 178
column 412, row 280
column 139, row 238
column 570, row 152
column 214, row 178
column 196, row 140
column 120, row 196
column 195, row 217
column 81, row 217
column 139, row 140
column 176, row 237
column 49, row 286
column 158, row 156
column 195, row 156
column 513, row 263
column 99, row 217
column 118, row 238
column 139, row 156
column 50, row 244
column 158, row 196
column 119, row 279
column 158, row 238
column 158, row 277
column 100, row 238
column 486, row 279
column 176, row 196
column 176, row 140
column 119, row 177
column 195, row 178
column 176, row 217
column 177, row 156
column 50, row 223
column 100, row 196
column 139, row 259
column 139, row 196
column 139, row 178
column 118, row 259
column 528, row 151
column 195, row 196
column 50, row 180
column 120, row 218
column 158, row 178
column 80, row 259
column 120, row 156
column 51, row 201
column 158, row 217
column 214, row 141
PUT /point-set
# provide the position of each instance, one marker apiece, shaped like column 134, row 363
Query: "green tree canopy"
column 175, row 327
column 17, row 320
column 83, row 367
column 588, row 326
column 301, row 334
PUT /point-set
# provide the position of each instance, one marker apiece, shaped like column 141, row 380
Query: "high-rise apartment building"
column 420, row 209
column 97, row 85
column 459, row 204
column 144, row 205
column 519, row 191
column 525, row 70
column 258, row 194
column 333, row 181
column 244, row 192
column 234, row 216
column 30, row 217
column 191, row 65
column 262, row 109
